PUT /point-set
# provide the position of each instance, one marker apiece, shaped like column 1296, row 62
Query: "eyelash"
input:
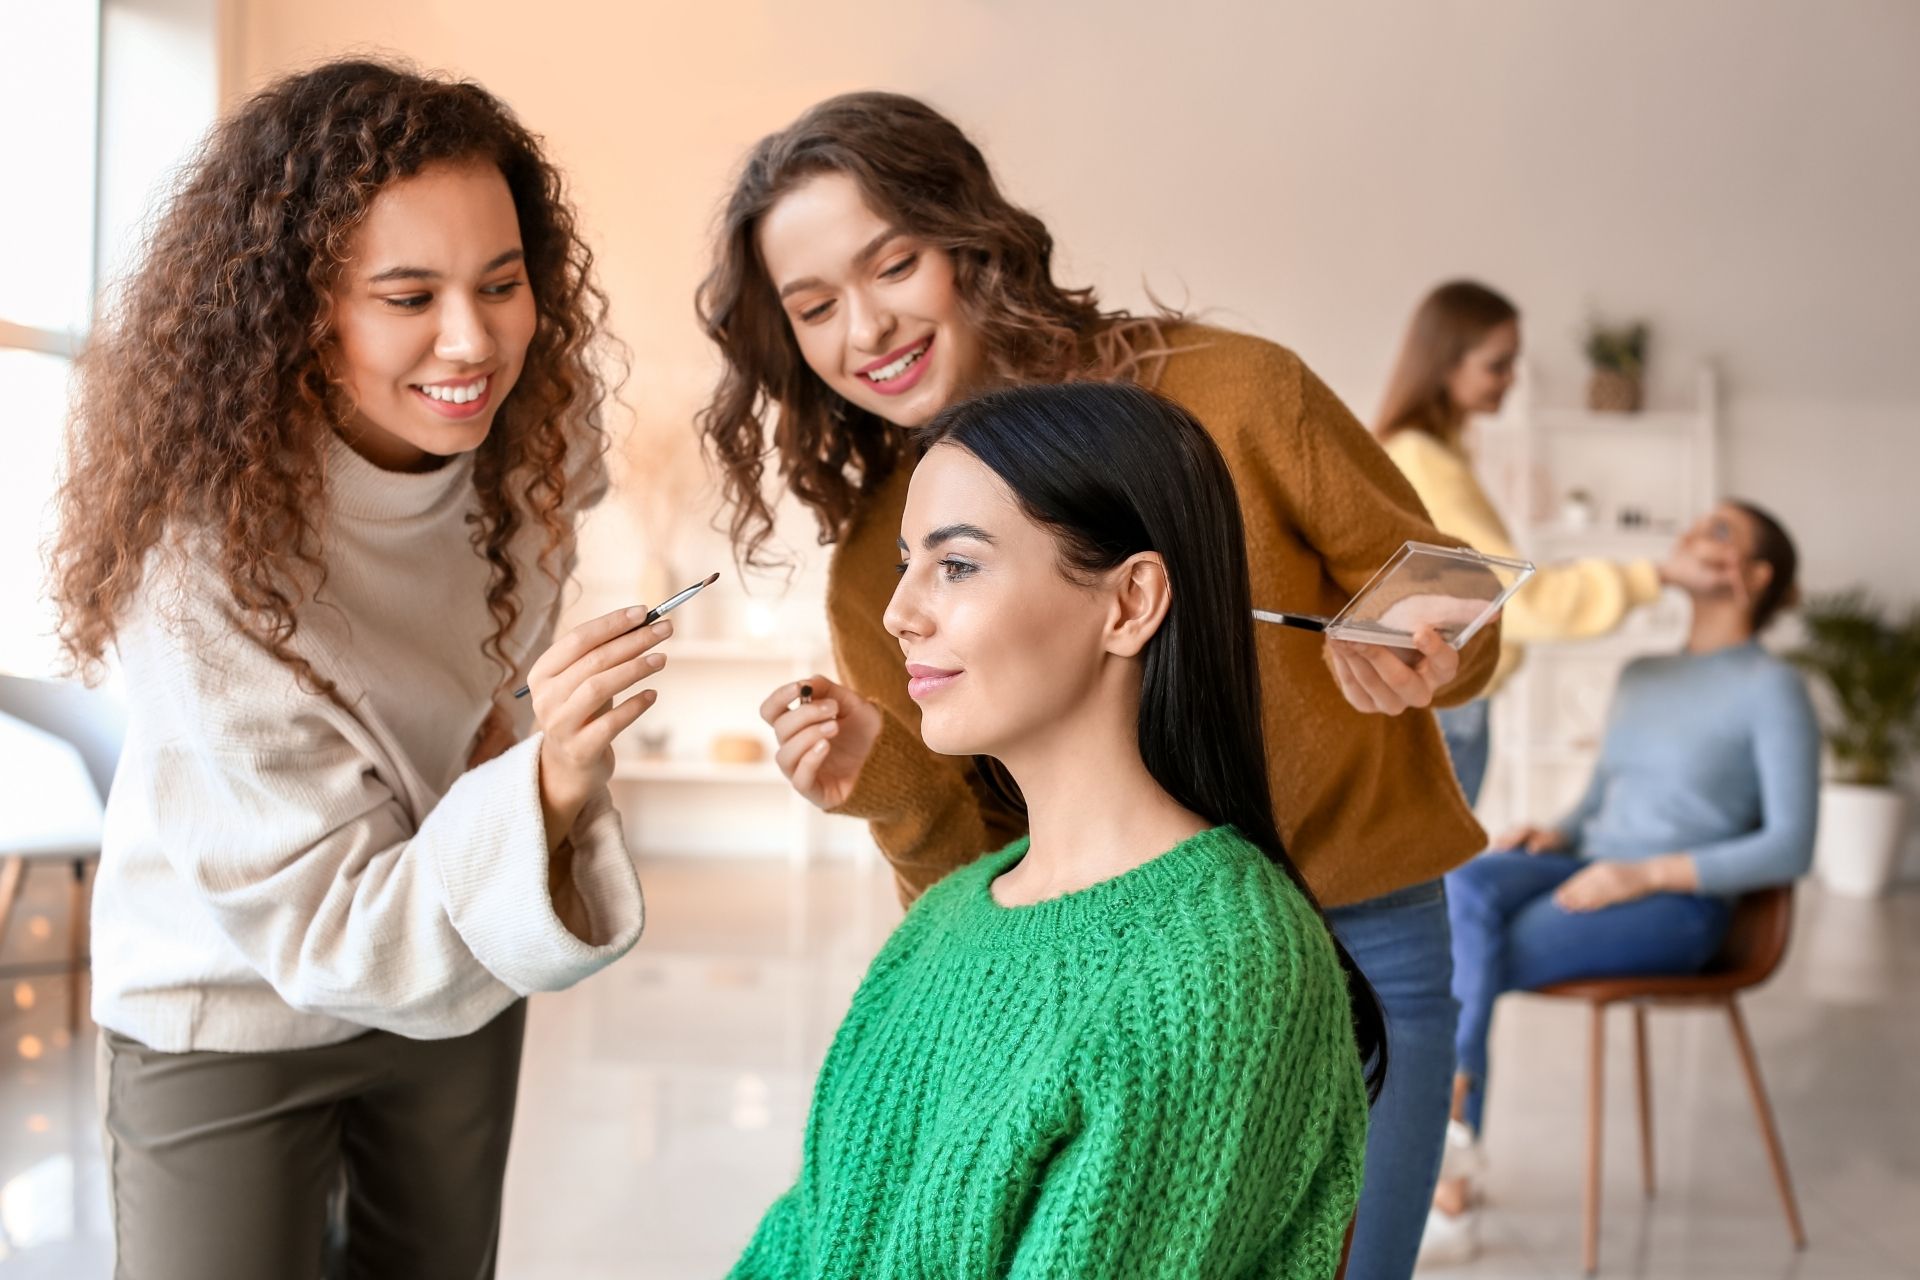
column 416, row 301
column 894, row 272
column 955, row 569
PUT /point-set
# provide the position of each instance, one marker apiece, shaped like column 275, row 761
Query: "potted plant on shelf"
column 1871, row 666
column 1618, row 355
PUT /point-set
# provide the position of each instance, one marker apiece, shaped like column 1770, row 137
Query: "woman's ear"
column 1141, row 597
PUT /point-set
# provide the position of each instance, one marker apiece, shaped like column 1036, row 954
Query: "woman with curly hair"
column 868, row 274
column 329, row 451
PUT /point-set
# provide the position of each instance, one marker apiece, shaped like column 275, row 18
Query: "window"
column 49, row 78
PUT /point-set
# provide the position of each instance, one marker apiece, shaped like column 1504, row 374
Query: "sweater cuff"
column 494, row 869
column 885, row 790
column 1643, row 582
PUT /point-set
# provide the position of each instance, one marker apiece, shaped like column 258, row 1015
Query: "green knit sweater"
column 1154, row 1076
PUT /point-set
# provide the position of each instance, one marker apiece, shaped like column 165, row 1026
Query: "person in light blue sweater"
column 1705, row 789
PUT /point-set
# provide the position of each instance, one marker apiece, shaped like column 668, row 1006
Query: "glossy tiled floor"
column 661, row 1104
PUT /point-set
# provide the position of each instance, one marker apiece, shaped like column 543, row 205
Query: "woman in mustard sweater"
column 869, row 272
column 1124, row 1045
column 1458, row 359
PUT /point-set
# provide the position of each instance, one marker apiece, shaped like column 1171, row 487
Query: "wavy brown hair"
column 918, row 170
column 1448, row 323
column 204, row 404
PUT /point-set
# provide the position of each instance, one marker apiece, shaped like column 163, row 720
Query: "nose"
column 870, row 324
column 905, row 617
column 464, row 336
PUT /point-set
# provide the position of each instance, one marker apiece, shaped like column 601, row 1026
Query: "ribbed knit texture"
column 1154, row 1076
column 1572, row 600
column 1366, row 803
column 280, row 871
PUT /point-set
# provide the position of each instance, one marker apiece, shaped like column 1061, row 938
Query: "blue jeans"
column 1508, row 935
column 1469, row 733
column 1399, row 940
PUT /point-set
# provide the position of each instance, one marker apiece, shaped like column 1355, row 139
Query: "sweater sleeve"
column 1786, row 757
column 1355, row 509
column 1226, row 1141
column 271, row 804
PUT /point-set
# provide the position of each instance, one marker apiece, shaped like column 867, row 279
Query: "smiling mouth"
column 456, row 393
column 924, row 682
column 898, row 367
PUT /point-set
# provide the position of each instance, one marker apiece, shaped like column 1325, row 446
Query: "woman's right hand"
column 1533, row 840
column 573, row 685
column 821, row 745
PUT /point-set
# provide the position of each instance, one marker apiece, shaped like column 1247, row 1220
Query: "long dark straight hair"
column 1112, row 470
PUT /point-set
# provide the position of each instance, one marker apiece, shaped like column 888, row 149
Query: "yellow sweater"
column 1570, row 601
column 1366, row 803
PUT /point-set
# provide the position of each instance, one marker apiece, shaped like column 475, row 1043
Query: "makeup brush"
column 654, row 614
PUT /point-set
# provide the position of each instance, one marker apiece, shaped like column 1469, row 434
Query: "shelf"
column 695, row 771
column 1560, row 535
column 743, row 652
column 1674, row 422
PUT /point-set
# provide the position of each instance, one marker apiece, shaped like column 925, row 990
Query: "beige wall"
column 1743, row 172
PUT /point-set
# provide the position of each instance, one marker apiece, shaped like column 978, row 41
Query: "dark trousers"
column 220, row 1166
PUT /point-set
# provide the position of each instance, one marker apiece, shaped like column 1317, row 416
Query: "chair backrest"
column 93, row 720
column 1756, row 936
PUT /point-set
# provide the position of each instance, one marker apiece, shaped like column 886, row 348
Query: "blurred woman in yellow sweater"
column 1458, row 359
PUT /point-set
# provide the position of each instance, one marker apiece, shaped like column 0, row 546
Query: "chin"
column 947, row 739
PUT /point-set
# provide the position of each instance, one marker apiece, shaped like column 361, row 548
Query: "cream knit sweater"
column 278, row 872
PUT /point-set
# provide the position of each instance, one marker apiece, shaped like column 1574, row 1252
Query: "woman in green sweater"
column 1125, row 1045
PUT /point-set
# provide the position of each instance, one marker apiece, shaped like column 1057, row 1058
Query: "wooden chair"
column 1755, row 942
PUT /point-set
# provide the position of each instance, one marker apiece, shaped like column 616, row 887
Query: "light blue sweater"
column 1716, row 755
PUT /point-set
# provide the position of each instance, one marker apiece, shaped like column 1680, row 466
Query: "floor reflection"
column 662, row 1103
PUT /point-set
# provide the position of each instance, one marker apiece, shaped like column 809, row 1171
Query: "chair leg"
column 1596, row 1096
column 12, row 870
column 76, row 943
column 1763, row 1113
column 1644, row 1090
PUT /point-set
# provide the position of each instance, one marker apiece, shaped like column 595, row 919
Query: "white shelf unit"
column 683, row 802
column 1665, row 463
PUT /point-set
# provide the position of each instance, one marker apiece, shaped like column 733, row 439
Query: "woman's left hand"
column 1606, row 884
column 1380, row 680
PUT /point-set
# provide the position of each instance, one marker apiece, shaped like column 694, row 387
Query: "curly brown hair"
column 203, row 403
column 917, row 169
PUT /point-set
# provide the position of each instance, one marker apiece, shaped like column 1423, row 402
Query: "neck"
column 1718, row 623
column 1093, row 809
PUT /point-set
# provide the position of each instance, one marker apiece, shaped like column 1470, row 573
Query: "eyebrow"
column 422, row 273
column 947, row 533
column 860, row 259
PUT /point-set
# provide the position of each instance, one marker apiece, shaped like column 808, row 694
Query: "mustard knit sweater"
column 1570, row 601
column 1366, row 803
column 1155, row 1076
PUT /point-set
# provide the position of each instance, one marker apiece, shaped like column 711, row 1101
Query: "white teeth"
column 898, row 367
column 457, row 395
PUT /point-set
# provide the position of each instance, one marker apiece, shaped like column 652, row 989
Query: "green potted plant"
column 1870, row 665
column 1618, row 354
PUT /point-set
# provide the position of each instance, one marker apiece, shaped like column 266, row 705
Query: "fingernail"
column 656, row 660
column 662, row 629
column 637, row 614
column 830, row 707
column 830, row 729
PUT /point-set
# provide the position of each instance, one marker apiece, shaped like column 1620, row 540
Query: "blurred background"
column 1741, row 175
